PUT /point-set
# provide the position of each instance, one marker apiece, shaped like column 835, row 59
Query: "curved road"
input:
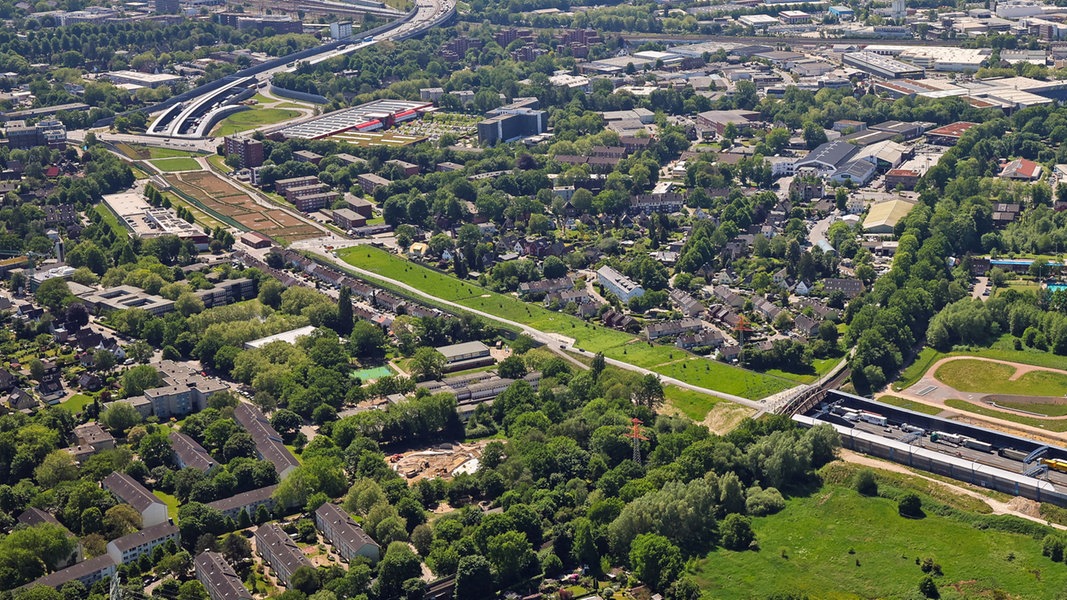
column 552, row 340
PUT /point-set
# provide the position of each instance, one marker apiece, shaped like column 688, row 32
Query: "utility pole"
column 637, row 437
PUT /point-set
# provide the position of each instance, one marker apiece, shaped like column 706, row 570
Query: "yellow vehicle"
column 1055, row 464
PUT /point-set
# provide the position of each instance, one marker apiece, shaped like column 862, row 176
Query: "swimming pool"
column 1057, row 287
column 375, row 373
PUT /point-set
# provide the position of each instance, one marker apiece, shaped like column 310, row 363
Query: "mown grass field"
column 910, row 405
column 692, row 404
column 1001, row 349
column 170, row 501
column 993, row 378
column 252, row 119
column 1058, row 426
column 171, row 165
column 836, row 544
column 665, row 360
column 76, row 403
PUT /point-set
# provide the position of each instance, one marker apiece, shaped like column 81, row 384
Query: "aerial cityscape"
column 560, row 300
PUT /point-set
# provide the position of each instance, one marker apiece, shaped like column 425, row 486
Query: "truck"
column 1055, row 464
column 979, row 445
column 1013, row 454
column 852, row 416
column 946, row 438
column 874, row 418
column 906, row 428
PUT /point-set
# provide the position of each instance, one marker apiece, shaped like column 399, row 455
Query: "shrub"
column 764, row 502
column 910, row 506
column 865, row 483
column 928, row 588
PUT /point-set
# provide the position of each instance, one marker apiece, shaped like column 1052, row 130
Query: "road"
column 552, row 340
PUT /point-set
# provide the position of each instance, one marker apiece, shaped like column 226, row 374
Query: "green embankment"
column 665, row 360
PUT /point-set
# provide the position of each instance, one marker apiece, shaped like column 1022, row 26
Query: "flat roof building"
column 464, row 351
column 884, row 216
column 882, row 66
column 289, row 337
column 149, row 80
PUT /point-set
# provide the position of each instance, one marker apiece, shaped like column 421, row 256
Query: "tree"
column 649, row 392
column 427, row 363
column 58, row 466
column 345, row 315
column 736, row 531
column 553, row 268
column 910, row 506
column 928, row 588
column 120, row 416
column 155, row 450
column 52, row 293
column 270, row 293
column 512, row 367
column 189, row 304
column 140, row 378
column 286, row 422
column 598, row 365
column 397, row 566
column 304, row 579
column 655, row 560
column 512, row 555
column 865, row 483
column 367, row 341
column 103, row 360
column 474, row 578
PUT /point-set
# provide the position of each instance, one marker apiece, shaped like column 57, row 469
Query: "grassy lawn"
column 170, row 501
column 822, row 367
column 1045, row 408
column 992, row 378
column 593, row 338
column 252, row 119
column 911, row 375
column 836, row 544
column 219, row 164
column 76, row 403
column 909, row 405
column 1058, row 426
column 182, row 163
column 692, row 404
column 111, row 220
column 1001, row 349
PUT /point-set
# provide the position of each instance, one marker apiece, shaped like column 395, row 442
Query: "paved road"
column 552, row 340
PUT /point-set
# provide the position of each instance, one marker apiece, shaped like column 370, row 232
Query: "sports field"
column 665, row 360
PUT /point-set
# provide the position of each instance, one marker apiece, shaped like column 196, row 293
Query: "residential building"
column 152, row 510
column 409, row 169
column 346, row 218
column 690, row 306
column 166, row 7
column 35, row 516
column 129, row 548
column 344, row 534
column 905, row 178
column 249, row 502
column 189, row 454
column 718, row 120
column 1022, row 169
column 850, row 287
column 708, row 338
column 93, row 435
column 269, row 444
column 360, row 206
column 667, row 202
column 622, row 286
column 546, row 286
column 218, row 577
column 307, row 156
column 654, row 331
column 50, row 133
column 371, row 182
column 88, row 572
column 284, row 185
column 341, row 30
column 279, row 552
column 248, row 151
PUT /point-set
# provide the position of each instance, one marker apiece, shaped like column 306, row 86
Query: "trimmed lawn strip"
column 592, row 338
column 253, row 119
column 837, row 544
column 170, row 501
column 919, row 407
column 111, row 220
column 171, row 165
column 1058, row 426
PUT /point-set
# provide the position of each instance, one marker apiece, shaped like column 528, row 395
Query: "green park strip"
column 911, row 405
column 252, row 119
column 994, row 378
column 665, row 360
column 1057, row 425
column 692, row 404
column 171, row 165
column 861, row 547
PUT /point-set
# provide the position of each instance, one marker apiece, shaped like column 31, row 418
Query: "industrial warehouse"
column 372, row 116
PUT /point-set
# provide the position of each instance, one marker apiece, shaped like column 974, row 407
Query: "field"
column 692, row 404
column 170, row 501
column 253, row 119
column 1002, row 349
column 909, row 405
column 76, row 403
column 219, row 197
column 614, row 344
column 111, row 220
column 993, row 378
column 171, row 165
column 836, row 544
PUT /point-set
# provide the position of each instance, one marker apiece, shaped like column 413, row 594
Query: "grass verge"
column 993, row 378
column 919, row 407
column 1058, row 426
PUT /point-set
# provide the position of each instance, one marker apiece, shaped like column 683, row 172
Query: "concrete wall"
column 295, row 95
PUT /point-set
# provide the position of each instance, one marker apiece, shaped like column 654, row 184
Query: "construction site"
column 443, row 460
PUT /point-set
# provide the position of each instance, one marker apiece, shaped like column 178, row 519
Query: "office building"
column 512, row 125
column 341, row 30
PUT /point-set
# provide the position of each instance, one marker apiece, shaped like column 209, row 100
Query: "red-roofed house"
column 905, row 178
column 1022, row 169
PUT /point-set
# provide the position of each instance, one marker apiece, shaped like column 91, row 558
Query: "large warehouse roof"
column 884, row 216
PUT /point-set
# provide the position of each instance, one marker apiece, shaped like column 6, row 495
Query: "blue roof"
column 1019, row 261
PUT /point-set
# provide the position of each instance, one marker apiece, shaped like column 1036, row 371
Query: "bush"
column 761, row 503
column 865, row 483
column 1052, row 547
column 928, row 588
column 736, row 532
column 910, row 506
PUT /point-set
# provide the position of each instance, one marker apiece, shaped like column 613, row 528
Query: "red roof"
column 52, row 171
column 955, row 130
column 902, row 173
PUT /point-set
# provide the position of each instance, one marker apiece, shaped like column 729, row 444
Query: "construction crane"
column 636, row 435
